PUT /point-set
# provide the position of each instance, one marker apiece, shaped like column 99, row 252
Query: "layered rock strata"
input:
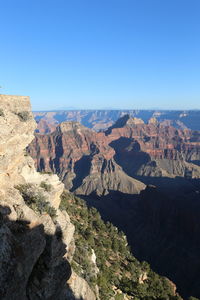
column 88, row 162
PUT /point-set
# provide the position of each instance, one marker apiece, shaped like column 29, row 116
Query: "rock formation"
column 83, row 159
column 37, row 240
column 87, row 161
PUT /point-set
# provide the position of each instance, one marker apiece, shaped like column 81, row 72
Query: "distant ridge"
column 103, row 119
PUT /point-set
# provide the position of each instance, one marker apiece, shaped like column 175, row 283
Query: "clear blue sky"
column 101, row 53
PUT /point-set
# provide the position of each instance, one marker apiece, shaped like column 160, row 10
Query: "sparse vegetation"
column 1, row 112
column 47, row 187
column 47, row 173
column 119, row 270
column 24, row 115
column 36, row 199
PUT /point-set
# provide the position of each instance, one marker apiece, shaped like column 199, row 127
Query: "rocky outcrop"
column 79, row 289
column 37, row 240
column 15, row 135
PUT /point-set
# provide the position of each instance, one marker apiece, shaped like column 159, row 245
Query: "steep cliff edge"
column 37, row 239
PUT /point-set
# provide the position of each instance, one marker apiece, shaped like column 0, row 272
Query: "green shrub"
column 24, row 116
column 45, row 172
column 119, row 297
column 47, row 187
column 36, row 199
column 51, row 211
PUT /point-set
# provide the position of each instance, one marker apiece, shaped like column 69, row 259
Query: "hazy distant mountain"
column 102, row 119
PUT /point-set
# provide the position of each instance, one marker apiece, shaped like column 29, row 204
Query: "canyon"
column 144, row 178
column 52, row 245
column 141, row 177
column 127, row 151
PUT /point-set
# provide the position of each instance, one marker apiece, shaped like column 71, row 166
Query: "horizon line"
column 117, row 109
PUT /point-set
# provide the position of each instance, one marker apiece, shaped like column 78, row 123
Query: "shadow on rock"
column 32, row 266
column 162, row 230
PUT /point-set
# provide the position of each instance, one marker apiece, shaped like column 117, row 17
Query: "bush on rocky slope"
column 35, row 198
column 118, row 270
